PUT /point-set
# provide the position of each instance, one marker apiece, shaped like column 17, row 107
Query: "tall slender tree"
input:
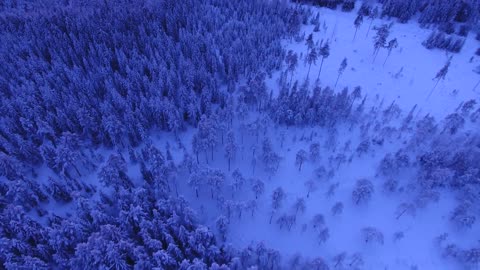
column 324, row 52
column 311, row 58
column 373, row 15
column 358, row 21
column 342, row 68
column 440, row 75
column 392, row 44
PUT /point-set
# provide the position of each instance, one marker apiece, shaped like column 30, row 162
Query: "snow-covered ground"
column 406, row 77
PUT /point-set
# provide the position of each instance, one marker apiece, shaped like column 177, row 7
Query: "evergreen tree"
column 441, row 75
column 392, row 44
column 372, row 16
column 311, row 59
column 324, row 52
column 300, row 158
column 342, row 68
column 358, row 21
column 278, row 196
column 380, row 39
column 292, row 61
column 230, row 148
column 258, row 187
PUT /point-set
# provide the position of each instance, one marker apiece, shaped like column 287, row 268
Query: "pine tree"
column 392, row 44
column 324, row 52
column 311, row 185
column 292, row 62
column 342, row 68
column 380, row 39
column 278, row 196
column 440, row 75
column 230, row 147
column 258, row 187
column 311, row 59
column 309, row 41
column 300, row 158
column 358, row 21
column 373, row 15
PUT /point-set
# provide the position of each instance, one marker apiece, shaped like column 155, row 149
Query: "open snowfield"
column 408, row 75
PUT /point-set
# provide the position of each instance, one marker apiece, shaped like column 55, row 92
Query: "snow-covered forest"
column 247, row 134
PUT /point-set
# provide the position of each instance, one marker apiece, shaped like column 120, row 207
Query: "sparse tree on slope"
column 278, row 196
column 373, row 15
column 309, row 41
column 299, row 206
column 358, row 21
column 324, row 52
column 314, row 151
column 392, row 44
column 230, row 148
column 270, row 159
column 311, row 186
column 342, row 68
column 311, row 58
column 363, row 191
column 441, row 75
column 380, row 39
column 292, row 62
column 238, row 180
column 258, row 188
column 222, row 226
column 300, row 158
column 216, row 179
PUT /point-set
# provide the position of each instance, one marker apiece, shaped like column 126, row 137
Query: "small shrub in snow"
column 318, row 264
column 337, row 208
column 462, row 217
column 318, row 221
column 323, row 235
column 397, row 236
column 372, row 235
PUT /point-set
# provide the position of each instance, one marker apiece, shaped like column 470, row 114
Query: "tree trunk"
column 375, row 53
column 431, row 92
column 271, row 217
column 356, row 29
column 321, row 64
column 386, row 59
column 476, row 85
column 212, row 192
column 176, row 188
column 401, row 214
column 308, row 193
column 300, row 167
column 196, row 192
column 76, row 169
column 337, row 80
column 308, row 73
column 369, row 26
